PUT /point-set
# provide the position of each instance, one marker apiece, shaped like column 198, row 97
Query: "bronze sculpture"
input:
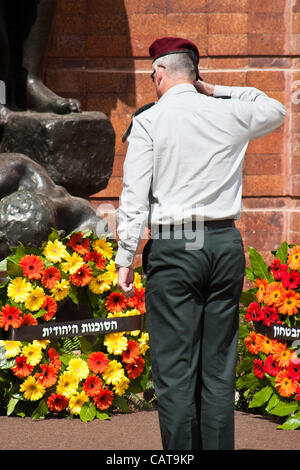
column 25, row 29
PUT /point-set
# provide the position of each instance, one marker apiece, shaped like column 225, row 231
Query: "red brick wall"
column 99, row 54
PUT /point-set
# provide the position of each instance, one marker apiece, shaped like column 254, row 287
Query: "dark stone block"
column 77, row 149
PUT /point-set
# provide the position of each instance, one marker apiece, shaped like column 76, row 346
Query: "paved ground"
column 135, row 431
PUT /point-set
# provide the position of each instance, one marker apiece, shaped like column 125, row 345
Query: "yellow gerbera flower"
column 32, row 389
column 100, row 284
column 76, row 402
column 129, row 313
column 137, row 281
column 104, row 247
column 61, row 290
column 43, row 343
column 35, row 299
column 79, row 368
column 72, row 264
column 293, row 260
column 55, row 251
column 67, row 385
column 116, row 343
column 112, row 272
column 114, row 373
column 121, row 386
column 12, row 348
column 33, row 353
column 144, row 342
column 18, row 289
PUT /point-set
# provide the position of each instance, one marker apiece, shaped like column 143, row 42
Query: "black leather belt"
column 208, row 225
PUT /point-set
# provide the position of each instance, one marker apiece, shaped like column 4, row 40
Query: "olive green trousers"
column 192, row 305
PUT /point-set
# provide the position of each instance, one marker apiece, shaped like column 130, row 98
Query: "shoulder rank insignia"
column 138, row 111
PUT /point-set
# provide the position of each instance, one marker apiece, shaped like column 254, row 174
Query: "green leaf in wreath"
column 284, row 408
column 41, row 411
column 274, row 400
column 88, row 412
column 293, row 422
column 102, row 416
column 11, row 405
column 247, row 297
column 282, row 252
column 258, row 264
column 261, row 397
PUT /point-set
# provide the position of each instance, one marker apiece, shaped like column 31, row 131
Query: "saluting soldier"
column 183, row 177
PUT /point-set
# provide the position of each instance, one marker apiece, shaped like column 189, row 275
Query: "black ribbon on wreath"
column 87, row 327
column 283, row 332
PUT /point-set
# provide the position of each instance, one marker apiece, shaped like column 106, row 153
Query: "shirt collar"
column 177, row 89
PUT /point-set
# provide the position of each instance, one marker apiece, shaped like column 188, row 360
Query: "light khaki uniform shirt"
column 185, row 158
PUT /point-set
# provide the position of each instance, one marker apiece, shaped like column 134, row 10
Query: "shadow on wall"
column 90, row 55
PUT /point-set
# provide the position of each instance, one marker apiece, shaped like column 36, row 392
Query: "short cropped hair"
column 178, row 65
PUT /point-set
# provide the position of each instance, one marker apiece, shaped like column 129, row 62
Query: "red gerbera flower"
column 98, row 362
column 82, row 276
column 97, row 258
column 50, row 277
column 298, row 394
column 29, row 319
column 137, row 300
column 269, row 315
column 278, row 269
column 21, row 369
column 48, row 377
column 57, row 403
column 290, row 280
column 258, row 368
column 272, row 366
column 50, row 306
column 92, row 385
column 79, row 244
column 104, row 399
column 115, row 302
column 135, row 369
column 54, row 358
column 132, row 352
column 10, row 316
column 32, row 266
column 253, row 312
column 293, row 370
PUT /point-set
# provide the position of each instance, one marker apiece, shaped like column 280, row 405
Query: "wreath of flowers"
column 73, row 376
column 268, row 374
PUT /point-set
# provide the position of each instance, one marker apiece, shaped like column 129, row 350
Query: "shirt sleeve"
column 133, row 211
column 259, row 113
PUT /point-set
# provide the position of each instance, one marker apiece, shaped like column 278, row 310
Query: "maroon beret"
column 168, row 45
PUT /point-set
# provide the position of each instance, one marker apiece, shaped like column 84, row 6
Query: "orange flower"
column 98, row 362
column 250, row 343
column 79, row 244
column 264, row 344
column 57, row 403
column 29, row 319
column 286, row 385
column 116, row 302
column 132, row 352
column 293, row 260
column 82, row 276
column 290, row 303
column 48, row 376
column 50, row 306
column 134, row 369
column 104, row 399
column 262, row 284
column 21, row 369
column 283, row 356
column 50, row 277
column 92, row 385
column 32, row 266
column 10, row 316
column 274, row 293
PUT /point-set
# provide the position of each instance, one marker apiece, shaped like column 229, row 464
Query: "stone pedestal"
column 77, row 150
